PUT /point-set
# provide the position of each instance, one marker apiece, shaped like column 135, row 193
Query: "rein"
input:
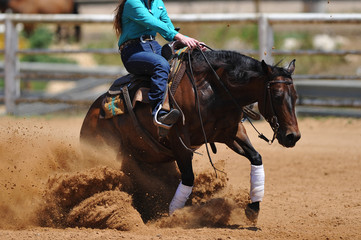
column 273, row 121
column 191, row 77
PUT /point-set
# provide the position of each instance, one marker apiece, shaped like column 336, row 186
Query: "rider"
column 136, row 23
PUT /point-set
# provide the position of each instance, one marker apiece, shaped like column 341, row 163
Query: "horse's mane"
column 240, row 68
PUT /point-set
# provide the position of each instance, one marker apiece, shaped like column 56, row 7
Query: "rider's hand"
column 190, row 42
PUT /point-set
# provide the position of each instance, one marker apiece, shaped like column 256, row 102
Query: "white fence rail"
column 265, row 25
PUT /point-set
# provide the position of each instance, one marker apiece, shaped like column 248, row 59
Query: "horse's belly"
column 139, row 149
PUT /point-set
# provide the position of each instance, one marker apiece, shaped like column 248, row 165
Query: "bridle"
column 273, row 120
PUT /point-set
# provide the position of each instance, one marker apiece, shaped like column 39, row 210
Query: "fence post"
column 12, row 83
column 265, row 39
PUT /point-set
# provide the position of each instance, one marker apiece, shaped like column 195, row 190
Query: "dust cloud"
column 32, row 150
column 46, row 179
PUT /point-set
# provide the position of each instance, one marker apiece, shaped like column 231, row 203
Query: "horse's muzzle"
column 288, row 139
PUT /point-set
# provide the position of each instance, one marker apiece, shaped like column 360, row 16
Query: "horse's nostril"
column 292, row 137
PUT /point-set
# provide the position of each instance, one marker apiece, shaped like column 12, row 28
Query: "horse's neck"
column 250, row 92
column 243, row 94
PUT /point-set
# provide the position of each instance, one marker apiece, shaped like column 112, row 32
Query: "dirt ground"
column 312, row 191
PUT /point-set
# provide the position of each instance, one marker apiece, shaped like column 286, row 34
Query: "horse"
column 211, row 95
column 42, row 7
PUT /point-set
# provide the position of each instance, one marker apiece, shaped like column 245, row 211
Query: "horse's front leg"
column 184, row 162
column 242, row 145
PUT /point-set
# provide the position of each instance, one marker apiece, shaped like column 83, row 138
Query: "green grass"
column 217, row 35
column 46, row 59
column 43, row 38
column 107, row 41
column 37, row 85
column 304, row 38
column 321, row 65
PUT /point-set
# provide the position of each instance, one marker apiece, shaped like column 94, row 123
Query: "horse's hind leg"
column 153, row 185
column 242, row 145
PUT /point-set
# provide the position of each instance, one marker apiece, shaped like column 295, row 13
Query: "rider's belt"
column 142, row 39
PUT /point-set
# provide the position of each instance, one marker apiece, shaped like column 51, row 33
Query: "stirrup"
column 164, row 125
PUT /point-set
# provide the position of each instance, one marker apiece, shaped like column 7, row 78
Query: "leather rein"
column 273, row 120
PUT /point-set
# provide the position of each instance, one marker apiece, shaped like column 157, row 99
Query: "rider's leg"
column 158, row 89
column 144, row 59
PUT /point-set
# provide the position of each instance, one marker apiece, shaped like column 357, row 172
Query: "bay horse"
column 211, row 94
column 42, row 7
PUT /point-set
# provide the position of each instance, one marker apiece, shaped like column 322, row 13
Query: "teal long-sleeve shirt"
column 138, row 19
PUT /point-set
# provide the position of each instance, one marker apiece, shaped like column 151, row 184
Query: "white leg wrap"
column 257, row 183
column 180, row 197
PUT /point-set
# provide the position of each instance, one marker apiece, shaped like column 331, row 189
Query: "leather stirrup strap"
column 171, row 97
column 178, row 77
column 165, row 102
column 172, row 88
column 147, row 137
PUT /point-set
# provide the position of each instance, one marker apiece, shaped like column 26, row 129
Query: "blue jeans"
column 145, row 59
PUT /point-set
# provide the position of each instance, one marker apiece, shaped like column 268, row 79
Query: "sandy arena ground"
column 313, row 191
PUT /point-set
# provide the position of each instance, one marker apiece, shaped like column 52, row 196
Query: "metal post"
column 265, row 38
column 12, row 84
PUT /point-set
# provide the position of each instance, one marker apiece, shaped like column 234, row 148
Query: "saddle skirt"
column 139, row 86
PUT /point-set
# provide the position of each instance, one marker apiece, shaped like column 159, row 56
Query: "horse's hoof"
column 252, row 211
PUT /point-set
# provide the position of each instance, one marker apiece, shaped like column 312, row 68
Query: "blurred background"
column 64, row 65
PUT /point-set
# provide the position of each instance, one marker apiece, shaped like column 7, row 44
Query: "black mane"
column 241, row 68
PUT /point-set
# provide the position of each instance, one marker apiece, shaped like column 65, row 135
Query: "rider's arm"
column 137, row 12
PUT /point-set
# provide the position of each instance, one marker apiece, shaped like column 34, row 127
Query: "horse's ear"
column 291, row 66
column 266, row 69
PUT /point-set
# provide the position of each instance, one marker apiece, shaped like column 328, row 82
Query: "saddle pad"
column 113, row 105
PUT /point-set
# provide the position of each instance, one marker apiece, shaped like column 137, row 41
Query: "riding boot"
column 169, row 118
column 165, row 119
